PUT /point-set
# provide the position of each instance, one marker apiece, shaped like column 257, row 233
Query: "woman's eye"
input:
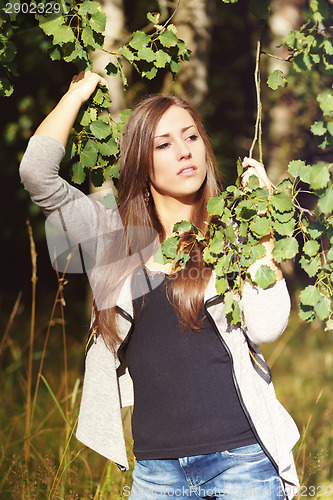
column 192, row 137
column 162, row 146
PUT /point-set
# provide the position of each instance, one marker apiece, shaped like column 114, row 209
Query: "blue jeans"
column 244, row 472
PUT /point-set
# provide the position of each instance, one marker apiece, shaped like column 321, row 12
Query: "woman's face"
column 179, row 156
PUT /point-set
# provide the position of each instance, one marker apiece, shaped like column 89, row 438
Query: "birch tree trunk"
column 115, row 27
column 286, row 15
column 193, row 20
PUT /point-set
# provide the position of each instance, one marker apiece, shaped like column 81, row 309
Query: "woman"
column 206, row 423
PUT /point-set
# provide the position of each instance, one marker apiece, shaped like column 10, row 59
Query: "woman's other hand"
column 254, row 167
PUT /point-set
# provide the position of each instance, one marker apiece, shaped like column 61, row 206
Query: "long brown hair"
column 136, row 164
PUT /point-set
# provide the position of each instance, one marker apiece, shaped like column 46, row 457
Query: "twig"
column 283, row 59
column 258, row 128
column 174, row 12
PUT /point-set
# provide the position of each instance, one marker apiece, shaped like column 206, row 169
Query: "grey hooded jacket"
column 107, row 384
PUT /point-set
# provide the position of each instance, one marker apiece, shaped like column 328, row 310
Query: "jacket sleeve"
column 266, row 312
column 39, row 172
column 76, row 223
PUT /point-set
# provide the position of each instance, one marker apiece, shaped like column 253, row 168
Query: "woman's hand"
column 84, row 84
column 254, row 167
column 60, row 121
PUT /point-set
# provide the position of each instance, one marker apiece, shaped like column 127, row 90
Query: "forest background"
column 45, row 317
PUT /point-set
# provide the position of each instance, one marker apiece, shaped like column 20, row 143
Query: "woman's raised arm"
column 59, row 122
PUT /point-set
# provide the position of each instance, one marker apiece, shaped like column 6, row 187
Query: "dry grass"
column 40, row 392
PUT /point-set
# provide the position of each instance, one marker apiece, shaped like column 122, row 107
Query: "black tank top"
column 185, row 402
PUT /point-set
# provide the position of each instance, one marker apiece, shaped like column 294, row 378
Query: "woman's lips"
column 186, row 171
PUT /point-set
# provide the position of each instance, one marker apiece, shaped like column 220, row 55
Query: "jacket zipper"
column 236, row 384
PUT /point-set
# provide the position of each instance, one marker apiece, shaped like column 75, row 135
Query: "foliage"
column 245, row 217
column 241, row 218
column 76, row 31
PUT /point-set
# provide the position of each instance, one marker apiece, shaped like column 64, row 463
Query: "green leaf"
column 325, row 100
column 330, row 127
column 109, row 148
column 208, row 257
column 89, row 154
column 216, row 205
column 6, row 88
column 306, row 313
column 276, row 79
column 260, row 226
column 315, row 230
column 88, row 7
column 235, row 316
column 127, row 53
column 285, row 228
column 153, row 17
column 162, row 58
column 228, row 301
column 253, row 182
column 55, row 54
column 168, row 38
column 111, row 69
column 257, row 252
column 174, row 66
column 100, row 129
column 302, row 61
column 139, row 40
column 320, row 10
column 298, row 168
column 265, row 276
column 98, row 22
column 319, row 176
column 310, row 295
column 49, row 26
column 282, row 202
column 318, row 128
column 85, row 119
column 63, row 34
column 285, row 249
column 328, row 46
column 323, row 307
column 182, row 227
column 78, row 173
column 310, row 266
column 111, row 171
column 221, row 285
column 311, row 248
column 150, row 74
column 325, row 202
column 282, row 216
column 88, row 38
column 170, row 246
column 8, row 53
column 146, row 54
column 223, row 264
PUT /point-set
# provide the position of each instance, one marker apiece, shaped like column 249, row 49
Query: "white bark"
column 194, row 25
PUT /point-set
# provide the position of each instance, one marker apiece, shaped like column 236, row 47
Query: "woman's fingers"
column 254, row 167
column 85, row 83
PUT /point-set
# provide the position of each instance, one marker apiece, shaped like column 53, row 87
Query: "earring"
column 146, row 195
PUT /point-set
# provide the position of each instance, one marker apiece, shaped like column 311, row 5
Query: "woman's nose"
column 183, row 151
